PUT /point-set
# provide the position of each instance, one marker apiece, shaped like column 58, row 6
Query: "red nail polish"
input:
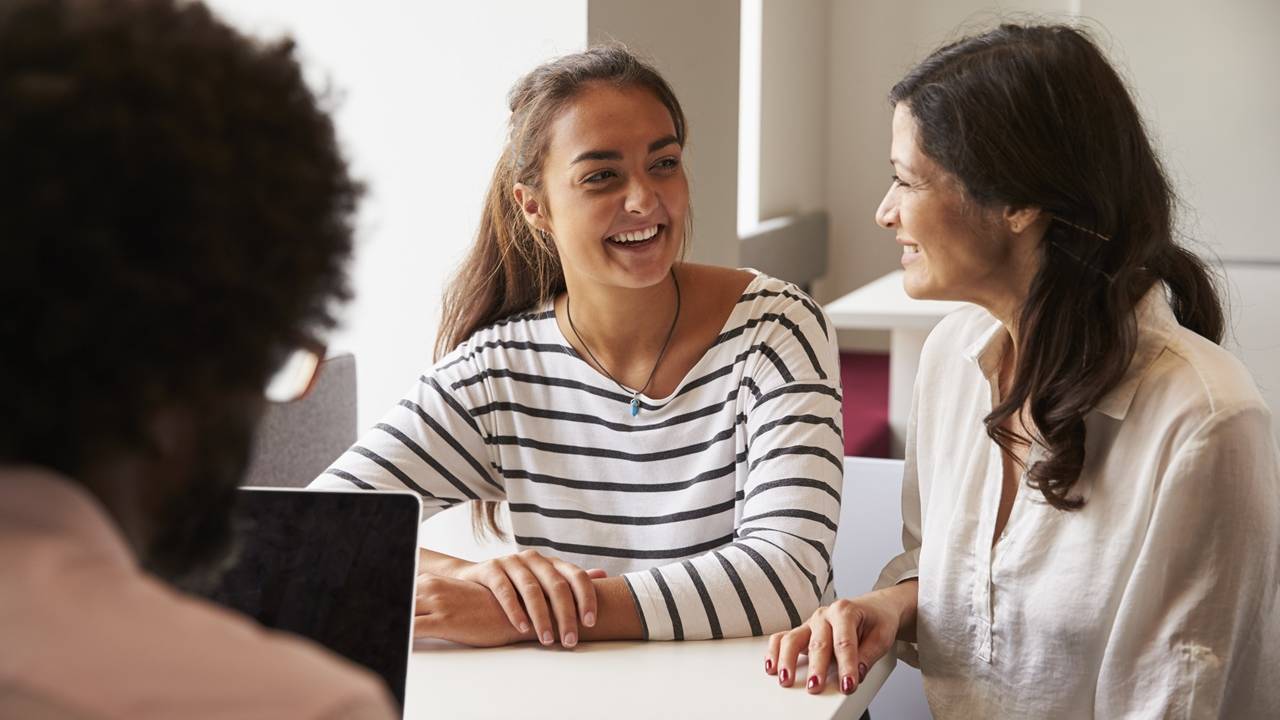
column 784, row 676
column 768, row 665
column 846, row 684
column 813, row 682
column 862, row 672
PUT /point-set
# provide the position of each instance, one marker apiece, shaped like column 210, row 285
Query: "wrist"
column 905, row 597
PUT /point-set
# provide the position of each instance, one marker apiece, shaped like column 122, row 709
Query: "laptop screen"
column 336, row 567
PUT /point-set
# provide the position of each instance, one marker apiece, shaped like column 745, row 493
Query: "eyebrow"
column 615, row 155
column 893, row 162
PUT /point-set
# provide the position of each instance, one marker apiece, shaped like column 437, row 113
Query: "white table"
column 619, row 680
column 884, row 305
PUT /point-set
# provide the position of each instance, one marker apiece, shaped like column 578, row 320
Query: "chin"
column 194, row 542
column 918, row 287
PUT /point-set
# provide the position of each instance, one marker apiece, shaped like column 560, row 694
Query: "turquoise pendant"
column 635, row 407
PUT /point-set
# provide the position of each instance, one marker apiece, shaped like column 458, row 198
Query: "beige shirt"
column 1158, row 599
column 85, row 633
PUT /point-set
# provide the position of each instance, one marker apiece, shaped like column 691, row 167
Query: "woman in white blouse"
column 1091, row 500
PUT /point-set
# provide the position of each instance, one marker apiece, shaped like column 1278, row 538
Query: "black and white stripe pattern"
column 718, row 504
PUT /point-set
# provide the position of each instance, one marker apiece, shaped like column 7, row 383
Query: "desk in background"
column 884, row 305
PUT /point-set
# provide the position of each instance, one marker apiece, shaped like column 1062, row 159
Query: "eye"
column 599, row 176
column 897, row 181
column 667, row 163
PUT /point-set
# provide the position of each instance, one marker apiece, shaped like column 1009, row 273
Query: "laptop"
column 334, row 566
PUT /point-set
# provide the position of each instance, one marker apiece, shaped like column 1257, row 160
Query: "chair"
column 791, row 248
column 296, row 441
column 870, row 534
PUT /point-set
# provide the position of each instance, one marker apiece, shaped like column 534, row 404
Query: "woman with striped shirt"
column 667, row 435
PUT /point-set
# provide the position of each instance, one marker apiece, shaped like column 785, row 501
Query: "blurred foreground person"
column 175, row 220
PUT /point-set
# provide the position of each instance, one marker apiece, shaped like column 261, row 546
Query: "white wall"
column 1207, row 78
column 423, row 89
column 695, row 46
column 793, row 107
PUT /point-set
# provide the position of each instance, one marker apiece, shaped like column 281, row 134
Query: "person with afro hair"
column 175, row 222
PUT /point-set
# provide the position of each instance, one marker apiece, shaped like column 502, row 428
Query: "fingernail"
column 524, row 627
column 862, row 672
column 570, row 639
column 813, row 682
column 768, row 665
column 546, row 637
column 784, row 677
column 589, row 619
column 846, row 684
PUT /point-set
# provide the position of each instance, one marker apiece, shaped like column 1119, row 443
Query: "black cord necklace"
column 635, row 396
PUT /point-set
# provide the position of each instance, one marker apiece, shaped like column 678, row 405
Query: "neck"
column 621, row 321
column 116, row 480
column 1006, row 290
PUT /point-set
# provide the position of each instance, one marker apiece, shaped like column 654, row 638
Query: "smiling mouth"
column 910, row 249
column 636, row 238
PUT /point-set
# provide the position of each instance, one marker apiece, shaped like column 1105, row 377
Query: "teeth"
column 910, row 249
column 637, row 236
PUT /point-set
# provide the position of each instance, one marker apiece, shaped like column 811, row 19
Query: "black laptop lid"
column 336, row 567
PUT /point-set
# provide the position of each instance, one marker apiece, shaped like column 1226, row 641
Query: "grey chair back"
column 296, row 441
column 791, row 248
column 870, row 534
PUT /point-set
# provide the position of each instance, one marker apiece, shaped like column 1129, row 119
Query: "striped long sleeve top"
column 718, row 504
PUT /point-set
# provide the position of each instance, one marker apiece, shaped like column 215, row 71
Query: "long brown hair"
column 1035, row 116
column 510, row 268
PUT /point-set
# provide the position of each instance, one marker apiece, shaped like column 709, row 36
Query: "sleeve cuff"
column 649, row 606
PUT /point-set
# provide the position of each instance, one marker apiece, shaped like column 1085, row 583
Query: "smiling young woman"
column 667, row 435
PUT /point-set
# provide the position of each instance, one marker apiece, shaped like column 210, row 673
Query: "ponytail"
column 1192, row 291
column 507, row 270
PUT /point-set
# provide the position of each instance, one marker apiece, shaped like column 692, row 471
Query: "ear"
column 1020, row 220
column 533, row 210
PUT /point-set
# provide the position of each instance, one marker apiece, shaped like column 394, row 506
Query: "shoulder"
column 1200, row 385
column 958, row 333
column 1221, row 381
column 768, row 298
column 531, row 330
column 533, row 324
column 124, row 644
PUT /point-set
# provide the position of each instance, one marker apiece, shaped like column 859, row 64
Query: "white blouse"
column 1157, row 599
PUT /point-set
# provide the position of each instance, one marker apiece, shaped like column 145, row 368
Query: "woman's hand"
column 463, row 612
column 856, row 632
column 538, row 594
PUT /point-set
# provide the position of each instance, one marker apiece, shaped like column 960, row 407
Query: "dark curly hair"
column 175, row 214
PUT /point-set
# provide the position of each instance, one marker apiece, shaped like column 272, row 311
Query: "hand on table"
column 855, row 633
column 536, row 595
column 463, row 612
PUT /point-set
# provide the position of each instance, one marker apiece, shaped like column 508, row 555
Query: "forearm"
column 618, row 618
column 437, row 563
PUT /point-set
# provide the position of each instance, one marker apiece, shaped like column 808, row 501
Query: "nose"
column 887, row 213
column 641, row 198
